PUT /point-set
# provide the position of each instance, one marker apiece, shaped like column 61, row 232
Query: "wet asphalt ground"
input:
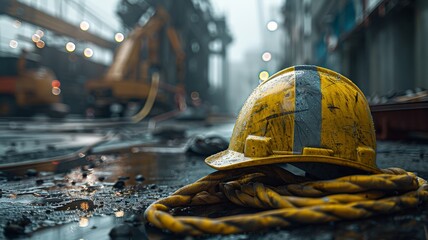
column 101, row 192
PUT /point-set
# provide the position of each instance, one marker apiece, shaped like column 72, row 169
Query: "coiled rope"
column 287, row 199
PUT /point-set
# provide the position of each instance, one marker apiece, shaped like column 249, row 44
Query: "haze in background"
column 247, row 21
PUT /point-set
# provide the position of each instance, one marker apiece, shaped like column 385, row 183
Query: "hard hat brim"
column 230, row 159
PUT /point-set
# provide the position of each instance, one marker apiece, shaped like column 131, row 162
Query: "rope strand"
column 294, row 199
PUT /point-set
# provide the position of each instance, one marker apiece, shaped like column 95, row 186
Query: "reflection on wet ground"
column 91, row 228
column 89, row 201
column 163, row 169
column 105, row 197
column 56, row 211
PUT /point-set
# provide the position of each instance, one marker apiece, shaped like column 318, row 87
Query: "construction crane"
column 127, row 81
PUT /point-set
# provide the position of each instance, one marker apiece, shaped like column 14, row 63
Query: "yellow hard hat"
column 308, row 116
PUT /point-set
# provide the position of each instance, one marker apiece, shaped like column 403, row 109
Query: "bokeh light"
column 56, row 91
column 267, row 56
column 83, row 222
column 119, row 213
column 194, row 95
column 13, row 44
column 118, row 37
column 35, row 37
column 70, row 47
column 40, row 44
column 272, row 26
column 88, row 52
column 263, row 75
column 40, row 33
column 56, row 83
column 84, row 25
column 17, row 24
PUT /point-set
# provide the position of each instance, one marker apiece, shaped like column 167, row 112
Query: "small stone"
column 17, row 178
column 134, row 219
column 12, row 230
column 122, row 230
column 140, row 178
column 92, row 188
column 31, row 172
column 119, row 184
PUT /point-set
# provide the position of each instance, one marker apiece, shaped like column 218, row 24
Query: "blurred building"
column 56, row 32
column 379, row 44
column 79, row 45
column 55, row 23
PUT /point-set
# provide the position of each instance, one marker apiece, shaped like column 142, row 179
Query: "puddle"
column 87, row 228
column 156, row 168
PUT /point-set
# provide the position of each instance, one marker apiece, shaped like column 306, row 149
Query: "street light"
column 70, row 47
column 56, row 91
column 40, row 33
column 40, row 44
column 84, row 25
column 35, row 37
column 272, row 26
column 17, row 24
column 13, row 43
column 263, row 75
column 267, row 56
column 118, row 37
column 88, row 52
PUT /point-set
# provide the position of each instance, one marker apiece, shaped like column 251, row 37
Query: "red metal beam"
column 397, row 120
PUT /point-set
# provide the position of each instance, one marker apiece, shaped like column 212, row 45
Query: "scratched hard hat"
column 308, row 116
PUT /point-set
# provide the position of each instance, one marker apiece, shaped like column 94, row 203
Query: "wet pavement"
column 104, row 197
column 114, row 188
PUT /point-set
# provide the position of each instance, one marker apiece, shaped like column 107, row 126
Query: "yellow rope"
column 290, row 199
